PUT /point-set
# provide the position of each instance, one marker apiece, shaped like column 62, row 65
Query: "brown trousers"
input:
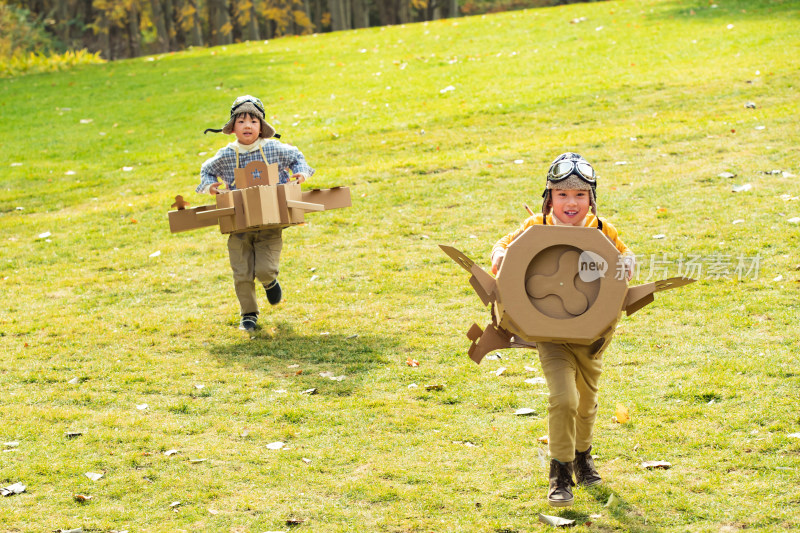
column 572, row 372
column 254, row 255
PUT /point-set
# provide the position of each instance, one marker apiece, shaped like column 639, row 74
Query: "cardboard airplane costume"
column 258, row 202
column 556, row 284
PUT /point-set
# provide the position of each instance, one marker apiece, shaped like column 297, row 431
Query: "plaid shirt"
column 223, row 164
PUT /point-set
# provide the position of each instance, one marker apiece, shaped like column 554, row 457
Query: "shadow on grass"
column 277, row 349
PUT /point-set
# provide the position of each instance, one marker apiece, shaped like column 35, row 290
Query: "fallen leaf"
column 536, row 381
column 174, row 504
column 44, row 235
column 555, row 521
column 742, row 188
column 141, row 406
column 499, row 371
column 11, row 444
column 294, row 521
column 196, row 461
column 16, row 488
column 621, row 414
column 659, row 236
column 794, row 220
column 779, row 277
column 544, row 439
column 494, row 357
column 727, row 175
column 412, row 362
column 156, row 253
column 170, row 452
column 94, row 476
column 613, row 501
column 434, row 387
column 650, row 465
column 326, row 374
column 794, row 435
column 73, row 434
column 81, row 498
column 309, row 391
column 275, row 445
column 74, row 381
column 542, row 457
column 525, row 411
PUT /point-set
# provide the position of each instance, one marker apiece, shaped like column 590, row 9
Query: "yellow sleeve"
column 504, row 242
column 611, row 232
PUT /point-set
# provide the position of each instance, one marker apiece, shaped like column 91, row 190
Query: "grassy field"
column 442, row 131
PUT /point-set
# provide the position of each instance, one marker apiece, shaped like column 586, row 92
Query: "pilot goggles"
column 561, row 170
column 247, row 100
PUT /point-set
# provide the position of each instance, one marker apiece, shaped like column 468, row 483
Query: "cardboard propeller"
column 258, row 202
column 556, row 284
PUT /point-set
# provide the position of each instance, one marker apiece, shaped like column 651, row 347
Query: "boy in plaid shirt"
column 253, row 254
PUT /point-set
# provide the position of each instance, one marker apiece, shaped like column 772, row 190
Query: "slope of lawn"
column 119, row 348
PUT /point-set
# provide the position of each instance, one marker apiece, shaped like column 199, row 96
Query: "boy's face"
column 570, row 206
column 246, row 128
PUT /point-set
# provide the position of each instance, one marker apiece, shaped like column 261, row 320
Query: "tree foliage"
column 128, row 28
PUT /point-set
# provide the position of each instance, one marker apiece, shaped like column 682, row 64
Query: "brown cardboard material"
column 262, row 203
column 556, row 284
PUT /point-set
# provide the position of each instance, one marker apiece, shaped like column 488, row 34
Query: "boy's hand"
column 497, row 260
column 630, row 265
column 300, row 177
column 212, row 189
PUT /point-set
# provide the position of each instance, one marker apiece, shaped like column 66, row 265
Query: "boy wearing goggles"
column 572, row 371
column 253, row 254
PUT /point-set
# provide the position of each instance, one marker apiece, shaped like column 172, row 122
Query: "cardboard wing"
column 258, row 202
column 556, row 284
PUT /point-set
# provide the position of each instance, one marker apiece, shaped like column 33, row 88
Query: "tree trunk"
column 452, row 8
column 195, row 34
column 134, row 35
column 252, row 25
column 223, row 25
column 338, row 20
column 159, row 19
column 360, row 14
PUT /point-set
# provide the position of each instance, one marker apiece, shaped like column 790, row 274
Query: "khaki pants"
column 572, row 372
column 254, row 255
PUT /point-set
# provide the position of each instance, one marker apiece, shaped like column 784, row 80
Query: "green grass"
column 709, row 372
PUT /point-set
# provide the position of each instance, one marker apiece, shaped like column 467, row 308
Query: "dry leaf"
column 73, row 434
column 277, row 445
column 524, row 411
column 16, row 488
column 170, row 452
column 621, row 414
column 309, row 391
column 294, row 521
column 174, row 504
column 544, row 439
column 434, row 387
column 536, row 381
column 499, row 371
column 650, row 465
column 141, row 406
column 555, row 521
column 195, row 461
column 94, row 476
column 412, row 362
column 81, row 498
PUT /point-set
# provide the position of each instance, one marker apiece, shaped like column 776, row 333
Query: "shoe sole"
column 593, row 484
column 561, row 503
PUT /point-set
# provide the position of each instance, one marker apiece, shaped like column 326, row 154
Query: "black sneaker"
column 274, row 293
column 248, row 322
column 585, row 472
column 559, row 494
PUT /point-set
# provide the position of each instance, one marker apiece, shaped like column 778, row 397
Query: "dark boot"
column 585, row 472
column 274, row 293
column 560, row 491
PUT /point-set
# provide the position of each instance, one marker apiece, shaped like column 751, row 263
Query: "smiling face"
column 570, row 206
column 247, row 128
